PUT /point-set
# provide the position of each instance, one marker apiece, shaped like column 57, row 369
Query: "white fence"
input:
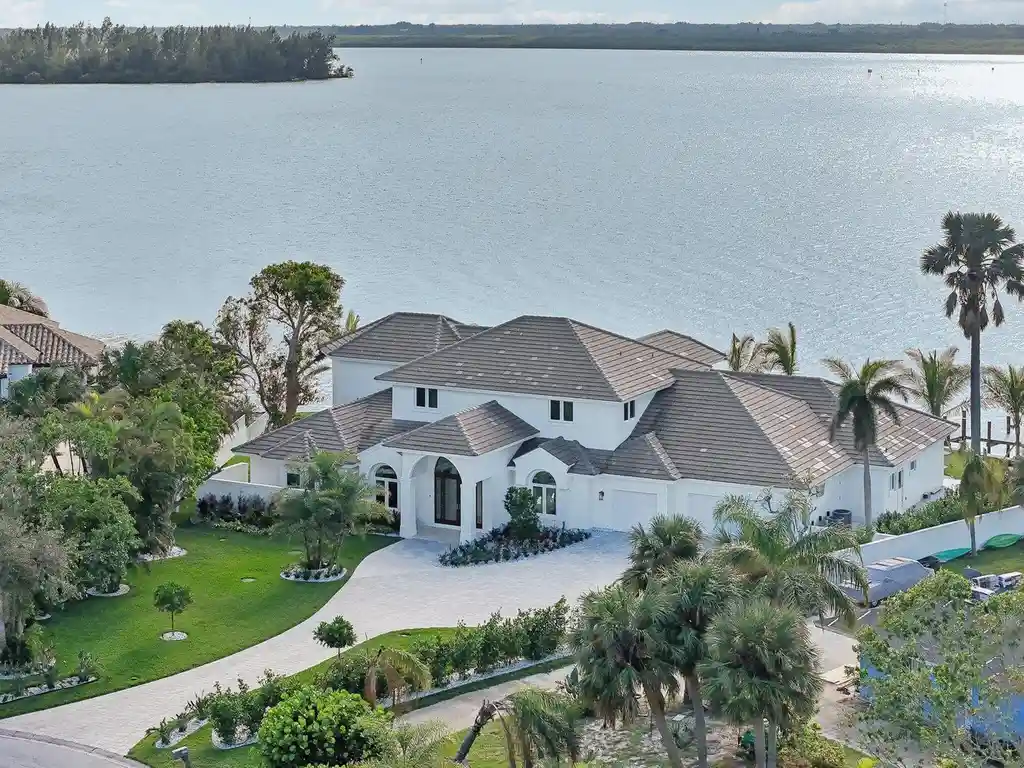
column 949, row 536
column 228, row 483
column 240, row 433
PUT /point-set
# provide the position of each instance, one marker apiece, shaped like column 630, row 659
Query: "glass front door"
column 447, row 510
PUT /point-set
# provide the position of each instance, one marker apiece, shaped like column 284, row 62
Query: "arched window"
column 387, row 484
column 544, row 493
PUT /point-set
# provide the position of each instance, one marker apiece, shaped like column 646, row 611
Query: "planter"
column 124, row 589
column 177, row 736
column 173, row 636
column 238, row 742
column 39, row 690
column 172, row 553
column 41, row 617
column 297, row 575
column 499, row 546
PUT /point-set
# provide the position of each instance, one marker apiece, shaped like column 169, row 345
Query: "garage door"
column 701, row 507
column 629, row 508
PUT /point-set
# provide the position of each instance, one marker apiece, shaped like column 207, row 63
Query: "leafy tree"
column 332, row 504
column 936, row 380
column 977, row 257
column 697, row 592
column 16, row 295
column 336, row 633
column 745, row 355
column 42, row 395
column 762, row 666
column 107, row 552
column 537, row 724
column 172, row 598
column 399, row 668
column 620, row 650
column 652, row 550
column 301, row 299
column 1004, row 389
column 780, row 351
column 865, row 396
column 785, row 560
column 980, row 489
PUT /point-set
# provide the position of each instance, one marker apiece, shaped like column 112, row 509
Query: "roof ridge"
column 639, row 343
column 687, row 336
column 586, row 348
column 655, row 443
column 335, row 344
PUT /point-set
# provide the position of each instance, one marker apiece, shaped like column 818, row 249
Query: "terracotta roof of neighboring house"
column 472, row 432
column 400, row 337
column 353, row 427
column 549, row 357
column 684, row 346
column 27, row 338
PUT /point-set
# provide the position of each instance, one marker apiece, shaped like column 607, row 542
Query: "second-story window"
column 629, row 410
column 561, row 410
column 426, row 398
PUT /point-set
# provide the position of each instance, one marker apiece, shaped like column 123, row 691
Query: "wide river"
column 706, row 192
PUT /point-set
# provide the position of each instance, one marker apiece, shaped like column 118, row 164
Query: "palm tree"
column 652, row 550
column 536, row 724
column 762, row 666
column 16, row 295
column 46, row 390
column 977, row 257
column 789, row 563
column 418, row 745
column 863, row 396
column 745, row 354
column 399, row 668
column 780, row 351
column 979, row 488
column 620, row 650
column 697, row 593
column 936, row 380
column 1004, row 389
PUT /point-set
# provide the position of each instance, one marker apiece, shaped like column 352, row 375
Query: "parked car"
column 985, row 586
column 886, row 578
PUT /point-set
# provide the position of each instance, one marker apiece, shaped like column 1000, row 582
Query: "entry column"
column 407, row 498
column 467, row 508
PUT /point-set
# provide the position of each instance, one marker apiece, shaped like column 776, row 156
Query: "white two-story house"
column 608, row 431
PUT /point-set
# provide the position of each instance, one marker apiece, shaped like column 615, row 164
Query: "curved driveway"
column 25, row 751
column 398, row 587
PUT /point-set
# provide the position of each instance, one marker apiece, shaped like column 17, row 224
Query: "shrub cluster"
column 252, row 511
column 807, row 747
column 230, row 710
column 945, row 510
column 501, row 545
column 299, row 571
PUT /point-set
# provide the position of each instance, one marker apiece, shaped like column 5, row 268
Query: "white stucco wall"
column 219, row 486
column 267, row 471
column 353, row 379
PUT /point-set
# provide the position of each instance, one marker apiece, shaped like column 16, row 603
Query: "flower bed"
column 38, row 690
column 180, row 734
column 124, row 589
column 170, row 554
column 313, row 575
column 500, row 545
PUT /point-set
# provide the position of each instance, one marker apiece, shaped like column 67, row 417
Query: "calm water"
column 706, row 192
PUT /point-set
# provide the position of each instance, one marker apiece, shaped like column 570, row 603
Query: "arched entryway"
column 447, row 493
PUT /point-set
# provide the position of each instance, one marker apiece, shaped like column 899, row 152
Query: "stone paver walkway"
column 399, row 587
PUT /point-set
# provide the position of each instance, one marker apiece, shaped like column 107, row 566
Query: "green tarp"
column 951, row 554
column 1003, row 540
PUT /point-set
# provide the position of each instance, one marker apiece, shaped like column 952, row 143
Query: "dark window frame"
column 289, row 476
column 555, row 410
column 431, row 398
column 421, row 397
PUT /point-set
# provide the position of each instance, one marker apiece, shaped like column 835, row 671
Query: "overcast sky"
column 163, row 12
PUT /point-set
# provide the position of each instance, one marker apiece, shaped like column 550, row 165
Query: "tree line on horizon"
column 115, row 53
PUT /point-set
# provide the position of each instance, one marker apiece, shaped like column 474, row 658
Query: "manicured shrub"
column 86, row 665
column 248, row 511
column 543, row 630
column 172, row 598
column 225, row 713
column 436, row 654
column 502, row 545
column 465, row 644
column 524, row 522
column 329, row 727
column 337, row 633
column 809, row 744
column 489, row 643
column 948, row 509
column 343, row 674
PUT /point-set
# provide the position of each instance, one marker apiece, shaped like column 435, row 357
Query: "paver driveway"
column 398, row 587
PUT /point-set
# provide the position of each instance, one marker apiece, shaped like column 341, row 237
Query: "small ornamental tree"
column 337, row 634
column 172, row 598
column 524, row 522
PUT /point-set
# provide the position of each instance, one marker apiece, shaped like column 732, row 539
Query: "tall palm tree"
column 620, row 650
column 978, row 255
column 788, row 563
column 864, row 396
column 936, row 380
column 400, row 669
column 418, row 745
column 745, row 354
column 16, row 295
column 762, row 666
column 979, row 488
column 536, row 723
column 780, row 350
column 669, row 538
column 1004, row 389
column 697, row 593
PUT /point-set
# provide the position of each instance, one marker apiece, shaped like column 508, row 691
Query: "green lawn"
column 228, row 615
column 991, row 560
column 955, row 465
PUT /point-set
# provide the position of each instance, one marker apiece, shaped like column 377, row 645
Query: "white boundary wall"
column 224, row 484
column 949, row 536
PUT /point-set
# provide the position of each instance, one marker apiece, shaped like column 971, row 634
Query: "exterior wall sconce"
column 600, row 495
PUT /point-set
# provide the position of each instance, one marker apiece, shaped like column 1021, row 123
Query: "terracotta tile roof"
column 472, row 432
column 684, row 346
column 14, row 351
column 27, row 338
column 401, row 337
column 548, row 357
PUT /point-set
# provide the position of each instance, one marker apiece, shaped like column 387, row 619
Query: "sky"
column 163, row 12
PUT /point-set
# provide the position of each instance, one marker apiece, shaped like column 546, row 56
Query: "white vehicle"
column 984, row 587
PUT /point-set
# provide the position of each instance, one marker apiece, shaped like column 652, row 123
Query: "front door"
column 447, row 483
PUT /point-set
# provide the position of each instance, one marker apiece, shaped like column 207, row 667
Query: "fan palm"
column 864, row 396
column 789, row 563
column 936, row 380
column 1004, row 389
column 620, row 649
column 762, row 666
column 46, row 390
column 780, row 350
column 16, row 295
column 976, row 257
column 536, row 723
column 399, row 668
column 745, row 354
column 697, row 593
column 418, row 745
column 669, row 538
column 979, row 488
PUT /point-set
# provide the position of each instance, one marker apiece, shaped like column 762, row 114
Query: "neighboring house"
column 29, row 342
column 608, row 431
